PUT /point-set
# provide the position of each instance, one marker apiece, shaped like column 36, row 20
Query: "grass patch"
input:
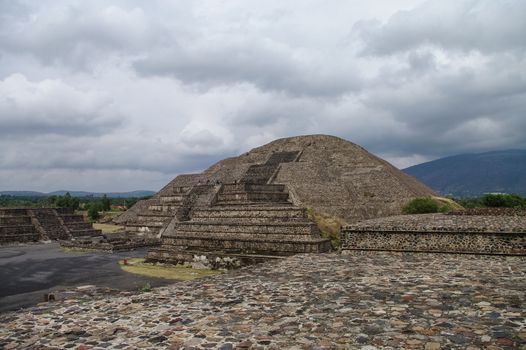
column 449, row 203
column 329, row 226
column 108, row 228
column 171, row 272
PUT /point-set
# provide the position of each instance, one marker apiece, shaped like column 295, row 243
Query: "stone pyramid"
column 255, row 204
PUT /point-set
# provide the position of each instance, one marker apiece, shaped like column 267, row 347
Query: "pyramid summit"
column 257, row 202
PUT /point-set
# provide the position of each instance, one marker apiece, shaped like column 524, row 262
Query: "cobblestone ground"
column 362, row 300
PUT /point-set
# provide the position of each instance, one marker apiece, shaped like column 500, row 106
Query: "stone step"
column 67, row 218
column 78, row 225
column 291, row 228
column 85, row 232
column 259, row 196
column 313, row 245
column 282, row 157
column 248, row 187
column 180, row 190
column 153, row 214
column 55, row 232
column 176, row 256
column 175, row 199
column 144, row 229
column 17, row 229
column 246, row 236
column 164, row 208
column 13, row 212
column 238, row 204
column 14, row 220
column 249, row 220
column 249, row 212
column 155, row 222
column 20, row 237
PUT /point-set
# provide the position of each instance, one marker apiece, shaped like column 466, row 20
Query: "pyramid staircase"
column 159, row 213
column 34, row 224
column 16, row 226
column 251, row 220
column 75, row 224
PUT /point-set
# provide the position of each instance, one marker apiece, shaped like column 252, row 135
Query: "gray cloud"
column 267, row 65
column 487, row 26
column 51, row 107
column 74, row 34
column 109, row 95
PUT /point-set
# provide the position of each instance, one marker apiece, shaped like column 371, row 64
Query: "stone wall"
column 439, row 233
column 444, row 242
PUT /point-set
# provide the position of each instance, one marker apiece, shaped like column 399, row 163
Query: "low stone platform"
column 19, row 225
column 113, row 242
column 474, row 234
column 365, row 300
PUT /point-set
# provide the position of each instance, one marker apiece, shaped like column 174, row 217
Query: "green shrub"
column 503, row 201
column 424, row 205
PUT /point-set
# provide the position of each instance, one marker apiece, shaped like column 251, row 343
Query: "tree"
column 67, row 201
column 93, row 210
column 106, row 203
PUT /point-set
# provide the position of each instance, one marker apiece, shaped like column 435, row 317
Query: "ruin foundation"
column 474, row 234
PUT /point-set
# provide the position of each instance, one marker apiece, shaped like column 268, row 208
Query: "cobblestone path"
column 371, row 300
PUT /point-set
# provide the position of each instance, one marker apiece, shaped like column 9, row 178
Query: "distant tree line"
column 93, row 205
column 494, row 200
column 489, row 200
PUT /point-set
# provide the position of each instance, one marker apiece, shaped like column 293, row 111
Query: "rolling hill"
column 138, row 194
column 472, row 175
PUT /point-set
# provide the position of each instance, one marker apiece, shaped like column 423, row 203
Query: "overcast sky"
column 124, row 95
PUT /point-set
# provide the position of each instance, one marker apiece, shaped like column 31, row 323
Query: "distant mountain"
column 472, row 175
column 140, row 193
column 22, row 193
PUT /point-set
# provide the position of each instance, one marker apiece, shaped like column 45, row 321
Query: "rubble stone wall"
column 447, row 242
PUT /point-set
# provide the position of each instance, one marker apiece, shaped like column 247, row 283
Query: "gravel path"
column 373, row 300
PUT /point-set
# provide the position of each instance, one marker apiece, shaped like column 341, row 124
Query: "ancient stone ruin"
column 110, row 243
column 41, row 224
column 495, row 232
column 255, row 204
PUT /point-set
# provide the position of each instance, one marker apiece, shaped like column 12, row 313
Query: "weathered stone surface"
column 365, row 300
column 491, row 234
